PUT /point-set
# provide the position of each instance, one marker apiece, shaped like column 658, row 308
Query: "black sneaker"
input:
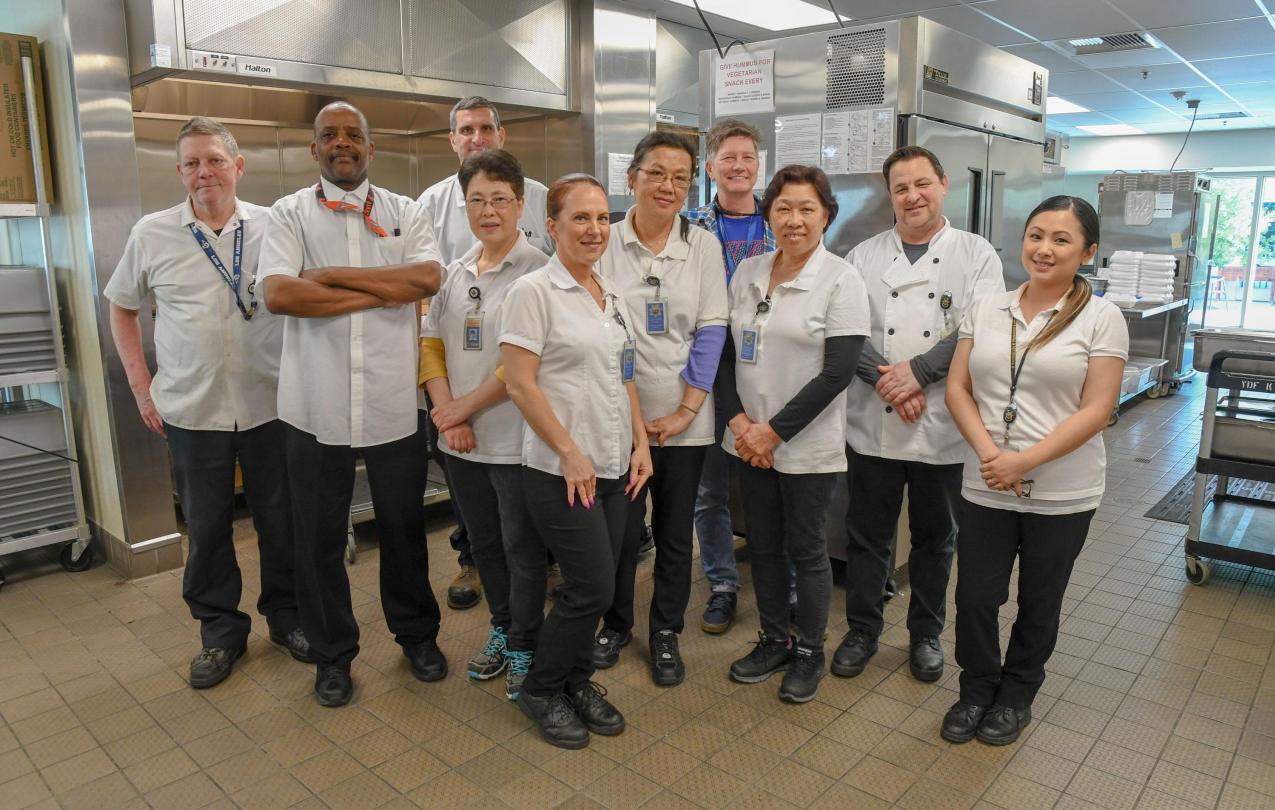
column 595, row 711
column 1002, row 725
column 556, row 719
column 607, row 646
column 332, row 685
column 667, row 668
column 768, row 657
column 648, row 540
column 212, row 666
column 961, row 722
column 856, row 650
column 427, row 661
column 926, row 658
column 720, row 613
column 805, row 670
column 295, row 643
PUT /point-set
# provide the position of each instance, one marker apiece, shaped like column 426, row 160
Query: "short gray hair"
column 473, row 103
column 201, row 125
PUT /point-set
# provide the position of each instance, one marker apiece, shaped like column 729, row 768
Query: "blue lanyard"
column 232, row 280
column 751, row 236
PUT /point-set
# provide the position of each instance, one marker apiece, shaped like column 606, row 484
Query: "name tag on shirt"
column 628, row 361
column 473, row 333
column 656, row 316
column 749, row 337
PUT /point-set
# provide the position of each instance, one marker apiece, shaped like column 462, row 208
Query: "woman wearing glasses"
column 673, row 283
column 479, row 429
column 570, row 360
column 1036, row 374
column 798, row 320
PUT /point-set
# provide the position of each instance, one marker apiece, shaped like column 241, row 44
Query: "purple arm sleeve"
column 706, row 353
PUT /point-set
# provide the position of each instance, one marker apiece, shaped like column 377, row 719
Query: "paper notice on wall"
column 1139, row 207
column 834, row 154
column 760, row 185
column 744, row 83
column 1163, row 205
column 883, row 127
column 618, row 173
column 797, row 140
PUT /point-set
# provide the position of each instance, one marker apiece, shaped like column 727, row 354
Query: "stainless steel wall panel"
column 621, row 108
column 677, row 50
column 393, row 165
column 157, row 163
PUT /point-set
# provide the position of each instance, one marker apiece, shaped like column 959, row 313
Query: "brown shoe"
column 466, row 590
column 553, row 581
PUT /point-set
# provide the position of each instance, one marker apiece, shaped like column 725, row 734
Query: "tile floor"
column 1159, row 695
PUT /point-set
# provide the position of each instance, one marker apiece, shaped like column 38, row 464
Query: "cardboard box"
column 17, row 169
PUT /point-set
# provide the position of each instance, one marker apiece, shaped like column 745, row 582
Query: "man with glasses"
column 475, row 127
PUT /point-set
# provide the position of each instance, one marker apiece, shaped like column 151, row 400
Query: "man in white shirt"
column 921, row 277
column 349, row 261
column 475, row 127
column 214, row 393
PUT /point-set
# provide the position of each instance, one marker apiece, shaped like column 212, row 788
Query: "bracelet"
column 694, row 411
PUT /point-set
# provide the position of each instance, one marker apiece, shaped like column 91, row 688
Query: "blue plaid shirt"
column 708, row 217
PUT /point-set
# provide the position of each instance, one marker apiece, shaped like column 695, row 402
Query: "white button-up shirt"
column 825, row 300
column 348, row 379
column 692, row 278
column 550, row 314
column 1049, row 388
column 216, row 370
column 498, row 429
column 445, row 204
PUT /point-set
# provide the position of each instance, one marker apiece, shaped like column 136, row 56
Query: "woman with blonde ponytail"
column 1036, row 374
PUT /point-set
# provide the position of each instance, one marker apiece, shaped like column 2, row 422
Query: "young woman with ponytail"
column 1036, row 374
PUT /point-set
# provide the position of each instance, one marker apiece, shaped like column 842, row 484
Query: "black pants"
column 587, row 544
column 204, row 467
column 1046, row 547
column 322, row 478
column 506, row 549
column 459, row 537
column 672, row 489
column 876, row 495
column 785, row 516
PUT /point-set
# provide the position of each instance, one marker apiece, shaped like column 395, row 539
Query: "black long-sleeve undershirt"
column 928, row 367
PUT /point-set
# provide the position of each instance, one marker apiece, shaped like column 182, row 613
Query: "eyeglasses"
column 497, row 203
column 658, row 177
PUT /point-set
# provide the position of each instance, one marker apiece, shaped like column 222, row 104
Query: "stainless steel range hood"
column 512, row 51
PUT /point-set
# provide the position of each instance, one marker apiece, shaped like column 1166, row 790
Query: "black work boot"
column 768, row 657
column 960, row 724
column 854, row 653
column 212, row 666
column 557, row 720
column 294, row 642
column 667, row 668
column 925, row 658
column 594, row 710
column 1002, row 725
column 332, row 685
column 805, row 670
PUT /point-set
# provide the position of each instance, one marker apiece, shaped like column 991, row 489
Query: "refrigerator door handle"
column 976, row 201
column 996, row 209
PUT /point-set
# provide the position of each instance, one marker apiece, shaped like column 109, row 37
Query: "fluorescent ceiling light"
column 1061, row 106
column 768, row 14
column 1083, row 41
column 1111, row 129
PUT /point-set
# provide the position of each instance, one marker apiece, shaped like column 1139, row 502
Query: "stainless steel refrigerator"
column 908, row 81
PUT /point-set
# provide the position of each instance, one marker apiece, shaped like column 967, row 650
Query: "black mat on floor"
column 1175, row 506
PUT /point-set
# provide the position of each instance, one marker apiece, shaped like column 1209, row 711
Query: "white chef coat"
column 907, row 320
column 445, row 203
column 550, row 314
column 1049, row 389
column 498, row 429
column 216, row 370
column 348, row 379
column 692, row 278
column 825, row 300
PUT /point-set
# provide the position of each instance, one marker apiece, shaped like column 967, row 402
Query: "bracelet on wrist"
column 694, row 411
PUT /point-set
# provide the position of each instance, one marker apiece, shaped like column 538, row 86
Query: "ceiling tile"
column 1079, row 119
column 1046, row 57
column 1241, row 69
column 1153, row 115
column 1166, row 13
column 891, row 9
column 968, row 21
column 1084, row 81
column 1055, row 20
column 1112, row 102
column 1257, row 95
column 1159, row 77
column 1219, row 40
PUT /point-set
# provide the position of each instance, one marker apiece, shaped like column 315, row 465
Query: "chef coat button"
column 894, row 294
column 890, row 332
column 931, row 295
column 927, row 333
column 936, row 259
column 889, row 409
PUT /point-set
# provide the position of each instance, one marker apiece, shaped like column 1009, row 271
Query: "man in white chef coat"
column 921, row 276
column 348, row 261
column 475, row 127
column 214, row 392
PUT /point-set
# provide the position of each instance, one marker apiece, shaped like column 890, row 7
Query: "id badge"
column 473, row 333
column 628, row 361
column 656, row 316
column 749, row 337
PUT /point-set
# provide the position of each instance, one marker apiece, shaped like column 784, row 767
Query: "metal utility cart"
column 41, row 503
column 1237, row 441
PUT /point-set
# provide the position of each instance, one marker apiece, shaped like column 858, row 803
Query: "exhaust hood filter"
column 856, row 69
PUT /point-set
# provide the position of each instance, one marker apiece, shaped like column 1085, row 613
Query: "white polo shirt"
column 445, row 203
column 825, row 300
column 216, row 370
column 579, row 345
column 348, row 379
column 693, row 286
column 1049, row 389
column 498, row 429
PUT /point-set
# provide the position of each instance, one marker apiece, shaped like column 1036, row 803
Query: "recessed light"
column 1083, row 41
column 1061, row 106
column 1111, row 129
column 767, row 13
